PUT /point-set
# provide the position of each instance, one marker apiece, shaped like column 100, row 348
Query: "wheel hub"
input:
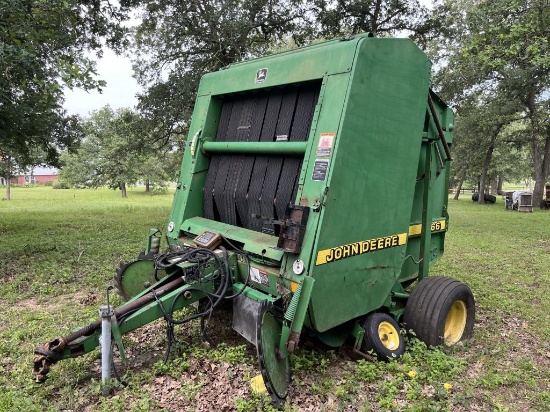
column 455, row 323
column 388, row 335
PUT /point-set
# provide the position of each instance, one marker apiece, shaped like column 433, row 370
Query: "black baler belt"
column 255, row 192
column 291, row 168
column 225, row 164
column 285, row 186
column 239, row 186
column 259, row 170
column 269, row 191
column 209, row 189
column 212, row 175
column 235, row 164
column 247, row 165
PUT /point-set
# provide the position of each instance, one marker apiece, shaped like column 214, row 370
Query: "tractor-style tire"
column 382, row 336
column 440, row 310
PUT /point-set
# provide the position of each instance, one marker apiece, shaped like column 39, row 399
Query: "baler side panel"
column 313, row 63
column 293, row 67
column 375, row 160
column 438, row 193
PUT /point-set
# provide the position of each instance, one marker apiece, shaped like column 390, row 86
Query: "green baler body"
column 372, row 171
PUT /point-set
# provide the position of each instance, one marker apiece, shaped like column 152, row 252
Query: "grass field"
column 59, row 250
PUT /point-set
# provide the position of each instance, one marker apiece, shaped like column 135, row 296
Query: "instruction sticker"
column 320, row 169
column 324, row 148
column 259, row 276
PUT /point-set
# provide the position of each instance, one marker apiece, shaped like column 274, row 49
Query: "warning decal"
column 259, row 276
column 324, row 148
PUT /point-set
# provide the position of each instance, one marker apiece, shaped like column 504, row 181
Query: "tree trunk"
column 499, row 185
column 8, row 187
column 541, row 156
column 494, row 187
column 459, row 187
column 542, row 168
column 484, row 171
column 8, row 177
column 122, row 186
column 147, row 186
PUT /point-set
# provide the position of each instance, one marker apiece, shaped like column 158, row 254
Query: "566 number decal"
column 439, row 225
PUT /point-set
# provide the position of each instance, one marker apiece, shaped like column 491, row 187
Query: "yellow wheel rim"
column 388, row 335
column 455, row 323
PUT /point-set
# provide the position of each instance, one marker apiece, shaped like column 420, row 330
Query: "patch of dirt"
column 544, row 244
column 206, row 386
column 57, row 302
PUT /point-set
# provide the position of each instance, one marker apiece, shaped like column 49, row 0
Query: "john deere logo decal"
column 261, row 75
column 358, row 248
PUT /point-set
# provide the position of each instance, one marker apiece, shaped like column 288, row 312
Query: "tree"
column 177, row 42
column 340, row 17
column 8, row 167
column 482, row 120
column 116, row 152
column 108, row 155
column 501, row 45
column 43, row 47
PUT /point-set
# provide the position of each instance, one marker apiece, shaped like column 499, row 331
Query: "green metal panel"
column 310, row 63
column 313, row 62
column 188, row 199
column 371, row 181
column 438, row 198
column 260, row 244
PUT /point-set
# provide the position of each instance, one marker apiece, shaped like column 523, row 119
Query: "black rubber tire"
column 475, row 197
column 489, row 198
column 429, row 305
column 377, row 324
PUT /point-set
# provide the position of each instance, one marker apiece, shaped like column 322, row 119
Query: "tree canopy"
column 499, row 48
column 113, row 153
column 375, row 16
column 177, row 42
column 44, row 46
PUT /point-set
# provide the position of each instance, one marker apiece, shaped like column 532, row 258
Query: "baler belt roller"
column 286, row 148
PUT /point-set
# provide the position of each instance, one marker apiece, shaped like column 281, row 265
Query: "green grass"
column 59, row 250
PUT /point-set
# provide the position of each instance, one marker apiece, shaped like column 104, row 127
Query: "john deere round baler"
column 313, row 196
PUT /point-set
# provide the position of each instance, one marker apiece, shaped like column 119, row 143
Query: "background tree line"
column 491, row 63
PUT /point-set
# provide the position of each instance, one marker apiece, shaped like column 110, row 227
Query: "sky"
column 120, row 91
